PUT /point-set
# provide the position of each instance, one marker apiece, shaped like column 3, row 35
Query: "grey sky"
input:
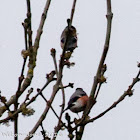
column 123, row 122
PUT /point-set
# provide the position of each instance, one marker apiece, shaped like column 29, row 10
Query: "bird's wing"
column 70, row 103
column 72, row 100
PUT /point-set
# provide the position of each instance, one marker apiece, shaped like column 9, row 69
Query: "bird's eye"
column 62, row 40
column 74, row 39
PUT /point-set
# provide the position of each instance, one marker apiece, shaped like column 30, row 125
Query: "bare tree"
column 74, row 127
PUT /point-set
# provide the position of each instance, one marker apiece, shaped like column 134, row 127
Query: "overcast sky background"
column 123, row 122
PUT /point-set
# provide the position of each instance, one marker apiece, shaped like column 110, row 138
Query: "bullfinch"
column 77, row 101
column 72, row 38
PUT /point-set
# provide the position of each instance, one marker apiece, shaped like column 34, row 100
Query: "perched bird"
column 78, row 101
column 72, row 38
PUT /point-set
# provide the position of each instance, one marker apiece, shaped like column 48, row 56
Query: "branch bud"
column 53, row 52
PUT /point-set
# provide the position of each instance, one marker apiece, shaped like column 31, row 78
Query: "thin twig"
column 22, row 71
column 103, row 57
column 32, row 60
column 49, row 104
column 43, row 132
column 55, row 90
column 92, row 100
column 101, row 81
column 28, row 103
column 30, row 23
column 58, row 127
column 72, row 11
column 129, row 93
column 97, row 93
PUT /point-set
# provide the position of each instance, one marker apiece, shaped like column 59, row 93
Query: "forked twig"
column 32, row 60
column 55, row 89
column 129, row 93
column 92, row 100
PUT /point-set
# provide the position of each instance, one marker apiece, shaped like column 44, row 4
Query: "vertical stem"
column 29, row 29
column 58, row 127
column 91, row 100
column 16, row 123
column 103, row 57
column 30, row 24
column 79, row 134
column 15, row 109
column 72, row 11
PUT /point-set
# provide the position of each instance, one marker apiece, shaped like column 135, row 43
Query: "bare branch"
column 55, row 89
column 103, row 57
column 44, row 133
column 53, row 53
column 40, row 93
column 30, row 23
column 26, row 28
column 58, row 127
column 72, row 11
column 32, row 60
column 29, row 102
column 96, row 82
column 60, row 124
column 101, row 81
column 129, row 93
